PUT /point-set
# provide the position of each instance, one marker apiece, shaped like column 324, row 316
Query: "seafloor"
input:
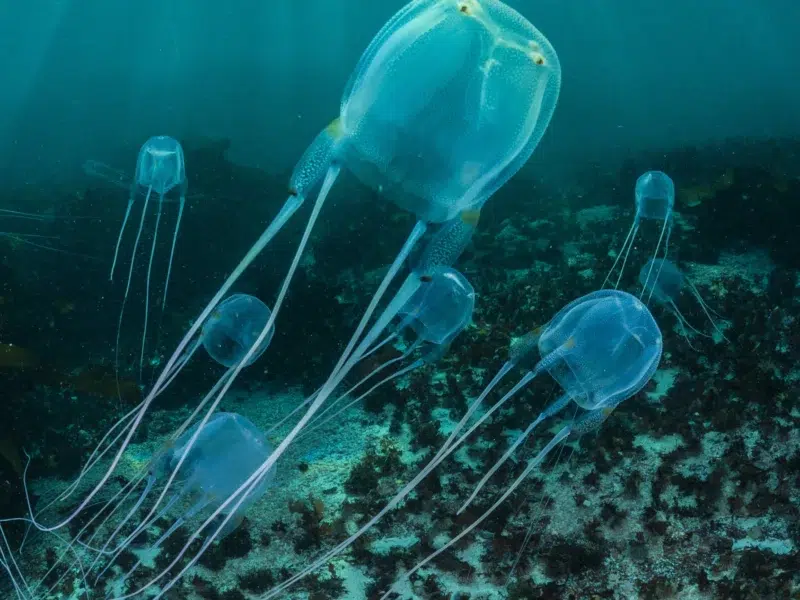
column 691, row 489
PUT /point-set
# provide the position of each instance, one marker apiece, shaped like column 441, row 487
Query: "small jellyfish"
column 230, row 336
column 207, row 462
column 655, row 199
column 231, row 330
column 436, row 313
column 160, row 167
column 666, row 287
column 442, row 250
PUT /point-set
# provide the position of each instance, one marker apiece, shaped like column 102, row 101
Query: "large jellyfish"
column 602, row 349
column 436, row 313
column 447, row 103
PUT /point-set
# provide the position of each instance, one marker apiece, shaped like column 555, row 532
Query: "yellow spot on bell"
column 334, row 128
column 471, row 217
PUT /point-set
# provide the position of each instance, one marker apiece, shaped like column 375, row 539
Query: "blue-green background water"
column 83, row 78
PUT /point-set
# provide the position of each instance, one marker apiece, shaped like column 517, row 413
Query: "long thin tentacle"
column 652, row 264
column 172, row 251
column 313, row 395
column 147, row 283
column 707, row 309
column 561, row 435
column 619, row 255
column 122, row 229
column 361, row 381
column 407, row 369
column 551, row 410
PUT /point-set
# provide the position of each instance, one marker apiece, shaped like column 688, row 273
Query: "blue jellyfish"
column 231, row 330
column 601, row 349
column 666, row 287
column 655, row 199
column 228, row 335
column 207, row 462
column 436, row 313
column 160, row 168
column 443, row 249
column 447, row 103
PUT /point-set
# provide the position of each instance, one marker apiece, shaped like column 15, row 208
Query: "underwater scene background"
column 625, row 274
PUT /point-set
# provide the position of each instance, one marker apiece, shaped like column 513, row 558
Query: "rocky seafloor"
column 691, row 489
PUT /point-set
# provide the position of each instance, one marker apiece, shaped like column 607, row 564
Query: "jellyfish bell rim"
column 643, row 197
column 157, row 143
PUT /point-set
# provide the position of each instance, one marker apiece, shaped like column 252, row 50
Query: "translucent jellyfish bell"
column 655, row 196
column 208, row 464
column 437, row 312
column 448, row 101
column 655, row 200
column 441, row 307
column 616, row 347
column 209, row 460
column 160, row 164
column 232, row 330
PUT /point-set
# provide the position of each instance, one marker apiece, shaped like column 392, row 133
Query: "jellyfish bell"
column 233, row 328
column 441, row 307
column 654, row 195
column 448, row 101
